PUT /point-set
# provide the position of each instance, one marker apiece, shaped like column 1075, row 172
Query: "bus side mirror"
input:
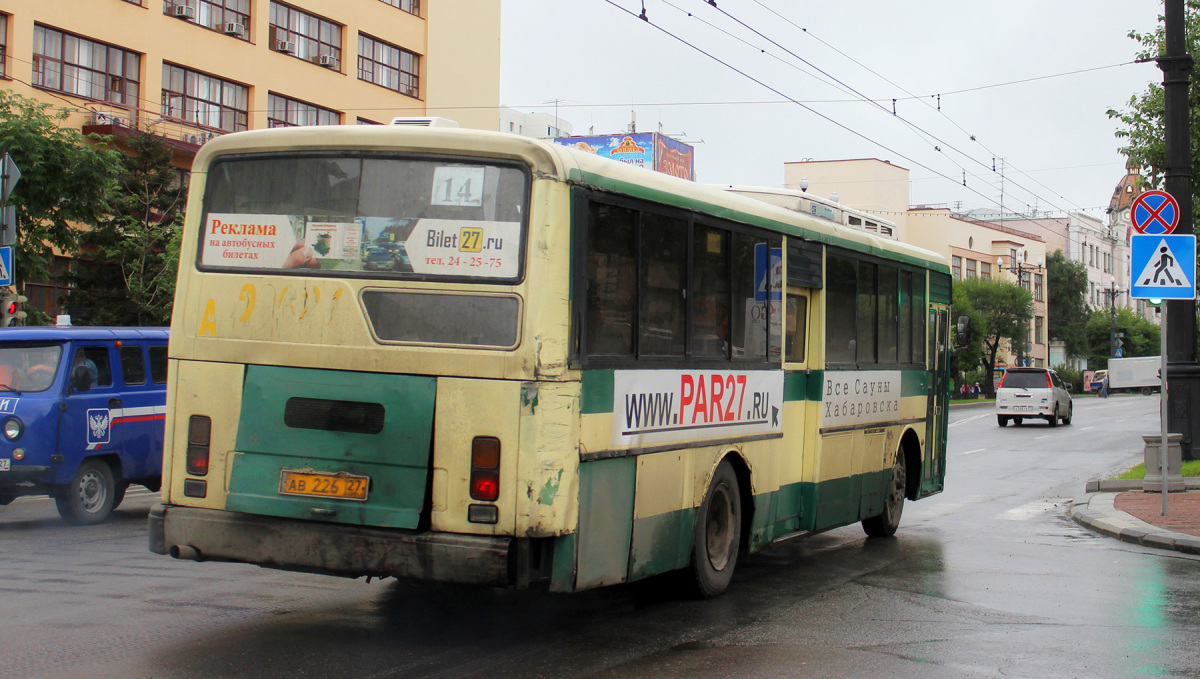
column 81, row 378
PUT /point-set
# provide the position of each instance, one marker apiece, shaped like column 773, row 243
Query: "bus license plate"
column 317, row 484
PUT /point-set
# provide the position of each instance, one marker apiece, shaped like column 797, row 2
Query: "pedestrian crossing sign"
column 1163, row 266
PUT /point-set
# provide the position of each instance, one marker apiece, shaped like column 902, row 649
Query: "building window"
column 3, row 45
column 956, row 266
column 364, row 121
column 93, row 70
column 313, row 36
column 1037, row 286
column 970, row 268
column 388, row 66
column 284, row 112
column 204, row 99
column 985, row 270
column 217, row 14
column 1037, row 330
column 410, row 6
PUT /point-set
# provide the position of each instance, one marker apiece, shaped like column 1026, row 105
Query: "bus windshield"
column 370, row 215
column 28, row 367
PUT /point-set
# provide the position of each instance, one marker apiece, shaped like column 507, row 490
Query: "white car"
column 1033, row 392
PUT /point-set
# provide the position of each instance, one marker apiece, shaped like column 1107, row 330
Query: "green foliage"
column 1066, row 302
column 65, row 180
column 1141, row 336
column 1071, row 376
column 1187, row 468
column 131, row 258
column 1000, row 312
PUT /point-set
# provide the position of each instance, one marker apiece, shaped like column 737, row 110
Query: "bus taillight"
column 199, row 429
column 485, row 468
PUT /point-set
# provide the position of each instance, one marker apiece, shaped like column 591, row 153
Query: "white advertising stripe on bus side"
column 664, row 406
column 860, row 397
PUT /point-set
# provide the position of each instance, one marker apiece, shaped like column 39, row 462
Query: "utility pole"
column 1183, row 372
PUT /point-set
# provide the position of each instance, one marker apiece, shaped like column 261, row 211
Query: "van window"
column 133, row 365
column 96, row 359
column 158, row 364
column 1026, row 380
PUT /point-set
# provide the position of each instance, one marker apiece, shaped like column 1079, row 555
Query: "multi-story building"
column 188, row 70
column 975, row 247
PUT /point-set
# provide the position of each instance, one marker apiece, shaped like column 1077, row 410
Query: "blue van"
column 81, row 415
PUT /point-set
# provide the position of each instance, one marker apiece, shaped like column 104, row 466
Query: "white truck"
column 1134, row 374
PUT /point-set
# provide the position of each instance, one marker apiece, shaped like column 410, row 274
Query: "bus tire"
column 718, row 534
column 88, row 499
column 886, row 524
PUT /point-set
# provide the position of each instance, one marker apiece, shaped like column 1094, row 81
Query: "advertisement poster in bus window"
column 759, row 311
column 860, row 397
column 250, row 241
column 334, row 240
column 666, row 406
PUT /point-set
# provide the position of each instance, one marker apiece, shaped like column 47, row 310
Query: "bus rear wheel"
column 90, row 496
column 718, row 534
column 886, row 524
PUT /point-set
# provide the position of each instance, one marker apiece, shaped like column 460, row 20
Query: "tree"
column 999, row 311
column 1066, row 302
column 66, row 180
column 1144, row 119
column 1141, row 337
column 128, row 262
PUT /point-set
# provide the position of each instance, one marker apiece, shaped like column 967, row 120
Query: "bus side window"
column 796, row 325
column 612, row 281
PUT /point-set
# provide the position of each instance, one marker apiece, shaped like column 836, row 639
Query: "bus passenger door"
column 933, row 467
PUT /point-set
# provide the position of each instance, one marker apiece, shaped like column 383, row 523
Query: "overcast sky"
column 600, row 61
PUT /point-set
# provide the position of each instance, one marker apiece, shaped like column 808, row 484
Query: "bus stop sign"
column 1155, row 213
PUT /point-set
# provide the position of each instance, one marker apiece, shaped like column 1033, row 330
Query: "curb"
column 1097, row 512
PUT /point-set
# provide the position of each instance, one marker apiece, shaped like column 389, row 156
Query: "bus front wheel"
column 89, row 498
column 886, row 524
column 718, row 534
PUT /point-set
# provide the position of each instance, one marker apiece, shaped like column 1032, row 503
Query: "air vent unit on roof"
column 424, row 122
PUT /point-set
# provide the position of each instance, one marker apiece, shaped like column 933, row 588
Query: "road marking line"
column 969, row 419
column 1086, row 428
column 1044, row 436
column 972, row 452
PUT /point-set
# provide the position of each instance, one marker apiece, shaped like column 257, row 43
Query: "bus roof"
column 83, row 333
column 569, row 165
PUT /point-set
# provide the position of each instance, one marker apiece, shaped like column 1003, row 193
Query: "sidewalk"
column 1120, row 509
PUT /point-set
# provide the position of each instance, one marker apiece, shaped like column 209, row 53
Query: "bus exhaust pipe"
column 187, row 552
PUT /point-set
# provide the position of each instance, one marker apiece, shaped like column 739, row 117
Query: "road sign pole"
column 1162, row 408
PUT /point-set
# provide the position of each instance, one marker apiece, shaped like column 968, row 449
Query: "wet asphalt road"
column 989, row 579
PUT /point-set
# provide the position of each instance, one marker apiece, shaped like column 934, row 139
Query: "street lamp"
column 1114, row 338
column 1019, row 266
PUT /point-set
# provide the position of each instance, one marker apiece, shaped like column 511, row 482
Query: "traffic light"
column 12, row 310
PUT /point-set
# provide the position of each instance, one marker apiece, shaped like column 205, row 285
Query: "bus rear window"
column 489, row 321
column 366, row 216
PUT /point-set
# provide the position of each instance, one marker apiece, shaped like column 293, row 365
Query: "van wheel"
column 718, row 534
column 1070, row 414
column 1017, row 421
column 89, row 497
column 1002, row 420
column 885, row 525
column 1053, row 419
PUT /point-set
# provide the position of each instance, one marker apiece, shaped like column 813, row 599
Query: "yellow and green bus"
column 474, row 357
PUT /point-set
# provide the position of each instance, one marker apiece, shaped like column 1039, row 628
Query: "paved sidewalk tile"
column 1183, row 510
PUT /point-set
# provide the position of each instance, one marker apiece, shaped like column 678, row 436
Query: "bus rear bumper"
column 329, row 548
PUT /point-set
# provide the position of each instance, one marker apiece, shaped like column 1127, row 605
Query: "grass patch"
column 1190, row 468
column 956, row 401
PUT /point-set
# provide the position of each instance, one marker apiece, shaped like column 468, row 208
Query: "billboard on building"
column 649, row 150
